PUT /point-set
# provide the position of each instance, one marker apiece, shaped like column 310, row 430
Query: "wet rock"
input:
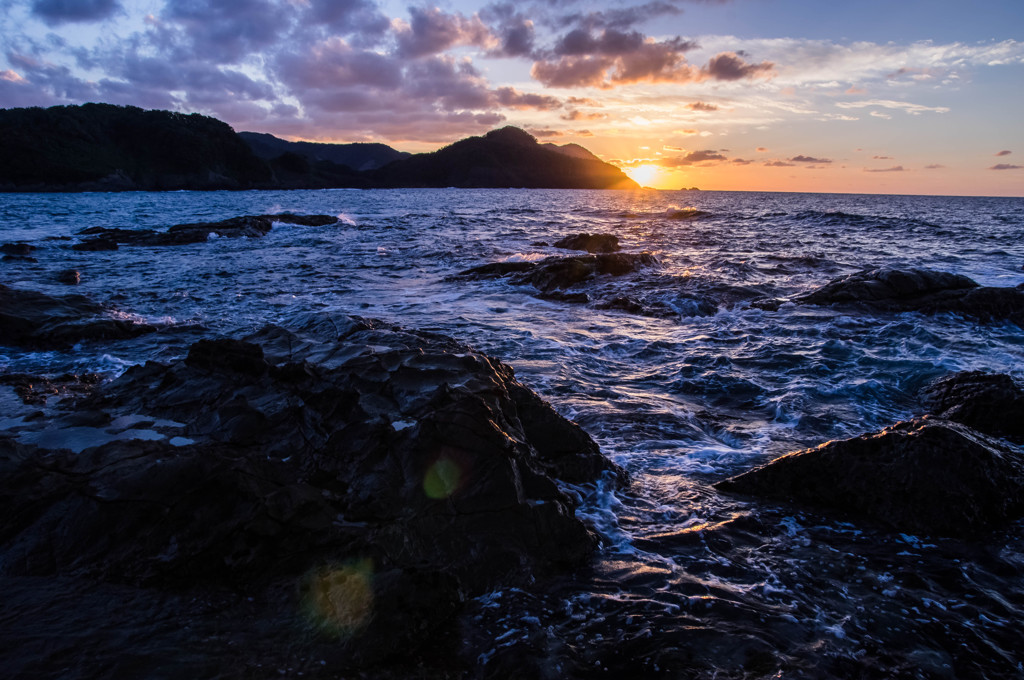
column 565, row 272
column 686, row 214
column 37, row 320
column 926, row 476
column 990, row 403
column 248, row 226
column 384, row 475
column 592, row 243
column 17, row 249
column 556, row 273
column 36, row 389
column 95, row 245
column 69, row 277
column 922, row 290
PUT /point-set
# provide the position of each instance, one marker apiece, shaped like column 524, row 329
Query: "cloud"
column 895, row 168
column 692, row 158
column 1004, row 152
column 934, row 166
column 575, row 114
column 882, row 158
column 761, row 149
column 907, row 107
column 701, row 106
column 225, row 31
column 431, row 31
column 778, row 164
column 809, row 159
column 1006, row 166
column 614, row 58
column 509, row 97
column 55, row 12
column 620, row 18
column 730, row 66
column 740, row 161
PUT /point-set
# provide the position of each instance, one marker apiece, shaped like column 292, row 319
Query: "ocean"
column 689, row 385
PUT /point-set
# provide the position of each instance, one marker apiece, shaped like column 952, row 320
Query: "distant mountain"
column 106, row 147
column 357, row 156
column 508, row 157
column 102, row 147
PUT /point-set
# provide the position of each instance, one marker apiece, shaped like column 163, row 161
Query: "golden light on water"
column 339, row 598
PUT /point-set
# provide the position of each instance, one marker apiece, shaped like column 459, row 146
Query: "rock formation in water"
column 35, row 320
column 926, row 475
column 249, row 226
column 989, row 403
column 345, row 483
column 592, row 243
column 556, row 273
column 922, row 290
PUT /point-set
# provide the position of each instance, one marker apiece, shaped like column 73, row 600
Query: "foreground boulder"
column 925, row 476
column 922, row 290
column 359, row 480
column 249, row 226
column 39, row 321
column 592, row 243
column 990, row 403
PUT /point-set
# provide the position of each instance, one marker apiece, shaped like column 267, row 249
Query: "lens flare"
column 442, row 479
column 339, row 598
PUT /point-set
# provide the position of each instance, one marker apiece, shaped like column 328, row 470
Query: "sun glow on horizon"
column 647, row 175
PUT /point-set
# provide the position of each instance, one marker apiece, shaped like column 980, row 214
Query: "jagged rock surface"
column 36, row 320
column 923, row 290
column 990, row 403
column 925, row 475
column 380, row 476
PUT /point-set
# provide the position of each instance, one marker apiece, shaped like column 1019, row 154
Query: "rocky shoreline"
column 326, row 495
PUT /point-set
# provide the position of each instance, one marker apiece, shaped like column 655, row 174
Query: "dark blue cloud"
column 55, row 12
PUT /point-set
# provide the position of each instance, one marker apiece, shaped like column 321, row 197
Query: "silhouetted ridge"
column 102, row 147
column 507, row 157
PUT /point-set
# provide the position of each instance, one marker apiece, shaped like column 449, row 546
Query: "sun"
column 644, row 175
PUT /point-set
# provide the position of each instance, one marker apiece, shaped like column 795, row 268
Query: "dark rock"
column 17, row 249
column 564, row 272
column 69, row 277
column 36, row 389
column 925, row 475
column 922, row 290
column 686, row 213
column 31, row 319
column 496, row 270
column 385, row 475
column 990, row 403
column 249, row 226
column 95, row 245
column 592, row 243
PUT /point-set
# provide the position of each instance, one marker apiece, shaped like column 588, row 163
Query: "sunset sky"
column 912, row 96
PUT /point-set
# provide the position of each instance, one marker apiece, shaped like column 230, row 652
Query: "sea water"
column 709, row 387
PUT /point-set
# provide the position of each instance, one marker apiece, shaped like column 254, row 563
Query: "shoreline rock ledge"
column 922, row 476
column 339, row 488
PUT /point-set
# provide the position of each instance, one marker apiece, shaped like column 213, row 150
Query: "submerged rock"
column 922, row 290
column 925, row 476
column 385, row 475
column 17, row 249
column 592, row 243
column 249, row 226
column 36, row 320
column 69, row 277
column 990, row 403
